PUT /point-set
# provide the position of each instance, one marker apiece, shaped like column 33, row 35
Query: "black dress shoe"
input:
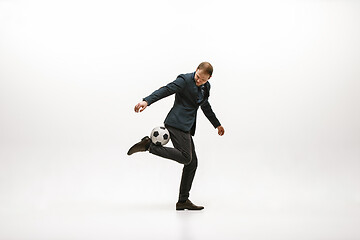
column 187, row 205
column 141, row 146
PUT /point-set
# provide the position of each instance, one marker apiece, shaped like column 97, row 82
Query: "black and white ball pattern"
column 160, row 136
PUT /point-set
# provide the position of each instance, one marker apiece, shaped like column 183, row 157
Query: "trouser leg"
column 188, row 176
column 182, row 151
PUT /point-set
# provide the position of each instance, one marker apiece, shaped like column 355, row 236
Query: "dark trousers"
column 184, row 153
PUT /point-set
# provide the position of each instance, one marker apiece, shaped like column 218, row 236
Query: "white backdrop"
column 285, row 87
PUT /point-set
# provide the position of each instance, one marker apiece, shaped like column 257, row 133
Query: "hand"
column 221, row 130
column 140, row 106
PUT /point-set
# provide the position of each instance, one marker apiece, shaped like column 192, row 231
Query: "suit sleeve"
column 206, row 108
column 165, row 91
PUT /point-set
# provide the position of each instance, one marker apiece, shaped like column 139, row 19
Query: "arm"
column 206, row 108
column 162, row 92
column 165, row 91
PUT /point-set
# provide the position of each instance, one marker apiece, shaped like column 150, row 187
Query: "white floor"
column 72, row 195
column 220, row 220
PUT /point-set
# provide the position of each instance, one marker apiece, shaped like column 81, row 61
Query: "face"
column 201, row 77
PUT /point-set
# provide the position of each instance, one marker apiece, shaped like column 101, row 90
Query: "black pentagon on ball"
column 162, row 128
column 165, row 136
column 156, row 133
column 158, row 143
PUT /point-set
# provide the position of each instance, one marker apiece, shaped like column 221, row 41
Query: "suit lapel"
column 194, row 91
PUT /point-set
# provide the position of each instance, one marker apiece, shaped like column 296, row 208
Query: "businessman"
column 191, row 91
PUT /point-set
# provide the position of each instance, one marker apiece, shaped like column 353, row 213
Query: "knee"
column 187, row 158
column 187, row 162
column 192, row 163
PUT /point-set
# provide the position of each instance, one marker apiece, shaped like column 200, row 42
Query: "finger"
column 221, row 131
column 136, row 108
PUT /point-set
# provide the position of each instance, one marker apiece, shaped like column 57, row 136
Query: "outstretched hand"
column 221, row 130
column 140, row 106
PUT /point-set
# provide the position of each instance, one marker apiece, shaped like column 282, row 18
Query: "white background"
column 285, row 87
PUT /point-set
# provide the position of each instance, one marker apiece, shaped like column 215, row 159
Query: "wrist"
column 145, row 102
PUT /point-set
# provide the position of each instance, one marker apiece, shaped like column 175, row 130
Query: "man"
column 191, row 91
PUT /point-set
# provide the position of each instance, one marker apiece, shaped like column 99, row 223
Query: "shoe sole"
column 190, row 209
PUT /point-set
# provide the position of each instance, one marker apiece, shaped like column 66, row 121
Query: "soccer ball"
column 160, row 136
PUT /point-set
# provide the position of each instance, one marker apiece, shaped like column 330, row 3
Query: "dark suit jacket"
column 183, row 114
